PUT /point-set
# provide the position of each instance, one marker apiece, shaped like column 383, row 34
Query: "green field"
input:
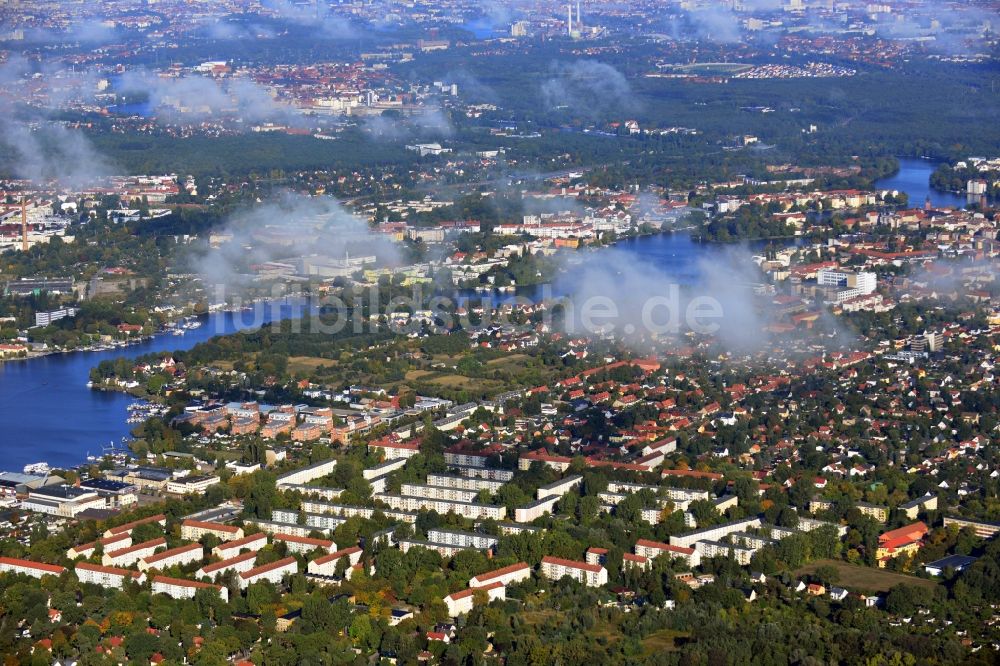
column 866, row 579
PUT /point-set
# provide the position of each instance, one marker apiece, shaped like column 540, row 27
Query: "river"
column 914, row 178
column 48, row 414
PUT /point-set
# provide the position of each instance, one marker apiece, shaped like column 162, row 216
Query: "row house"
column 112, row 577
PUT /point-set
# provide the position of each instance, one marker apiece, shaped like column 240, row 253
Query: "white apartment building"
column 491, row 473
column 273, row 572
column 307, row 474
column 62, row 500
column 300, row 544
column 29, row 568
column 384, row 468
column 239, row 564
column 508, row 575
column 116, row 542
column 536, row 509
column 719, row 549
column 443, row 549
column 654, row 549
column 274, row 527
column 321, row 492
column 463, row 539
column 714, row 533
column 673, row 494
column 559, row 488
column 128, row 527
column 112, row 577
column 591, row 575
column 228, row 549
column 460, row 603
column 327, row 564
column 395, row 450
column 131, row 555
column 439, row 492
column 464, row 509
column 181, row 555
column 194, row 530
column 180, row 588
column 464, row 482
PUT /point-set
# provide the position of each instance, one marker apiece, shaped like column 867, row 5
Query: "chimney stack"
column 24, row 226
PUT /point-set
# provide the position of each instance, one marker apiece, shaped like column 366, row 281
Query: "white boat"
column 40, row 468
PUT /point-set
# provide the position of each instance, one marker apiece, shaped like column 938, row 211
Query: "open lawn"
column 866, row 579
column 664, row 640
column 303, row 365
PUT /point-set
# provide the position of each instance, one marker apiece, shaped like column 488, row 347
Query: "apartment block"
column 112, row 577
column 127, row 528
column 536, row 509
column 654, row 549
column 273, row 572
column 239, row 564
column 307, row 474
column 180, row 588
column 439, row 492
column 181, row 555
column 508, row 575
column 327, row 564
column 117, row 542
column 464, row 482
column 591, row 575
column 714, row 533
column 559, row 488
column 463, row 539
column 464, row 509
column 129, row 556
column 228, row 549
column 300, row 544
column 194, row 530
column 460, row 603
column 29, row 568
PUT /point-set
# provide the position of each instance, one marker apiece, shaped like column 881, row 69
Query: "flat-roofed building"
column 536, row 509
column 29, row 567
column 559, row 488
column 591, row 575
column 464, row 482
column 514, row 573
column 439, row 492
column 180, row 555
column 983, row 529
column 714, row 533
column 113, row 577
column 62, row 500
column 181, row 588
column 476, row 540
column 191, row 485
column 307, row 474
column 464, row 509
column 273, row 572
column 239, row 564
column 194, row 530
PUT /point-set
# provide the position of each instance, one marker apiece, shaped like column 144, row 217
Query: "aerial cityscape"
column 508, row 332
